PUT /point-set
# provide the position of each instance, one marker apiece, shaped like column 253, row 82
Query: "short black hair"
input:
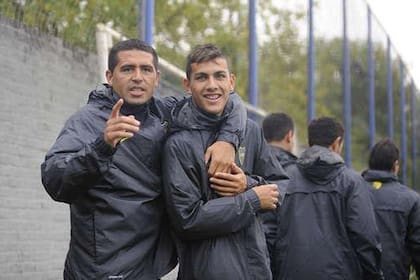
column 203, row 53
column 127, row 45
column 323, row 131
column 276, row 126
column 383, row 155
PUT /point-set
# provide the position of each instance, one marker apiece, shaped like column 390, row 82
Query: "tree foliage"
column 282, row 55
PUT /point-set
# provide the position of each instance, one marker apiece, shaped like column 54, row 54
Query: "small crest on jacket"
column 377, row 185
column 165, row 125
column 241, row 154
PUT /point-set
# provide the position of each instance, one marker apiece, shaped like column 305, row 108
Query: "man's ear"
column 232, row 81
column 337, row 145
column 108, row 75
column 186, row 84
column 396, row 167
column 157, row 78
column 289, row 136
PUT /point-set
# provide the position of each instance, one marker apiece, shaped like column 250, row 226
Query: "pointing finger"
column 116, row 109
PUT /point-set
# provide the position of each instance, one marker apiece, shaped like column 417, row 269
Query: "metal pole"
column 145, row 22
column 371, row 69
column 150, row 20
column 141, row 19
column 403, row 124
column 414, row 134
column 311, row 64
column 346, row 90
column 102, row 50
column 253, row 63
column 390, row 99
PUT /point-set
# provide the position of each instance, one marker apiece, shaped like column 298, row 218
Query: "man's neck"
column 281, row 145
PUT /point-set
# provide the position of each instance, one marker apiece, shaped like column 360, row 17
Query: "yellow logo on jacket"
column 377, row 185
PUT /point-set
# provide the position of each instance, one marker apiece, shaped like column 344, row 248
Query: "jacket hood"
column 105, row 97
column 379, row 175
column 186, row 115
column 320, row 165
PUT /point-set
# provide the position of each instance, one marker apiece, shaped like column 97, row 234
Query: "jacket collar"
column 105, row 97
column 379, row 175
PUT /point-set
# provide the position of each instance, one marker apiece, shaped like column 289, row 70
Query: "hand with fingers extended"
column 229, row 184
column 118, row 128
column 219, row 157
column 268, row 195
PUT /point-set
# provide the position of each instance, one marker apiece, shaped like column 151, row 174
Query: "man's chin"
column 215, row 109
column 137, row 101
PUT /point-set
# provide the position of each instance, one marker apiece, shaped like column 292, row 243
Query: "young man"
column 220, row 237
column 326, row 225
column 106, row 165
column 397, row 210
column 279, row 132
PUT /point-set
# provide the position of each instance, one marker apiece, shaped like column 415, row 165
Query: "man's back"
column 397, row 210
column 326, row 226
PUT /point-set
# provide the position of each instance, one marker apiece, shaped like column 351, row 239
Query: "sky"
column 401, row 20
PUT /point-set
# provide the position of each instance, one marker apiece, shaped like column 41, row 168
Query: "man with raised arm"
column 105, row 164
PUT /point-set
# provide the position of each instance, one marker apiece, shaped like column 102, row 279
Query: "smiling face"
column 135, row 77
column 210, row 84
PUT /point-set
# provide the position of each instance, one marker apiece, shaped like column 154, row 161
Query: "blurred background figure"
column 279, row 132
column 326, row 225
column 397, row 210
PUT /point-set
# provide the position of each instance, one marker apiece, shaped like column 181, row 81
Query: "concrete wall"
column 41, row 84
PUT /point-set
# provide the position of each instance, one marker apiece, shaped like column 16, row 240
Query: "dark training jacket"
column 284, row 157
column 326, row 226
column 119, row 228
column 397, row 209
column 219, row 237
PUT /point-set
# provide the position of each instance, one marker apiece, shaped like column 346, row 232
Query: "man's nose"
column 212, row 83
column 137, row 74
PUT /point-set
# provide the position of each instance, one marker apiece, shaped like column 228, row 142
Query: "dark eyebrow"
column 134, row 65
column 200, row 74
column 128, row 66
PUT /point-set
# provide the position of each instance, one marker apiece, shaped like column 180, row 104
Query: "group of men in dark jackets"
column 154, row 182
column 333, row 224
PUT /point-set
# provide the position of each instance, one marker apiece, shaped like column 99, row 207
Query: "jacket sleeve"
column 74, row 162
column 233, row 129
column 192, row 214
column 413, row 234
column 362, row 229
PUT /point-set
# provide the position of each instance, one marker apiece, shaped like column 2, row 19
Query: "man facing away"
column 326, row 226
column 219, row 237
column 105, row 164
column 397, row 210
column 279, row 132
